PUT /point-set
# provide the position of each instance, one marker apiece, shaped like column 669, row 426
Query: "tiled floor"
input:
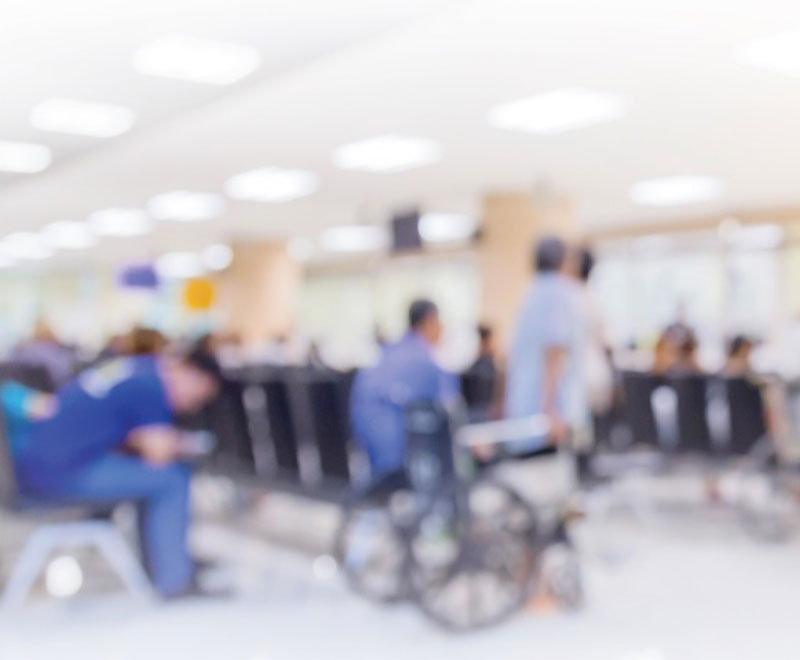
column 690, row 586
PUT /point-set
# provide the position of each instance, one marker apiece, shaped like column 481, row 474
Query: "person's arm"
column 157, row 445
column 554, row 360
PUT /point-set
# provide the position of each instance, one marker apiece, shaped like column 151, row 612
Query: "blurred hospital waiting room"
column 403, row 329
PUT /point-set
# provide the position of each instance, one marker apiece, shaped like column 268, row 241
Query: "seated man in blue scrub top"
column 406, row 373
column 82, row 453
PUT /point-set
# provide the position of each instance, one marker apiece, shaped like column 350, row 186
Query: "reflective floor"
column 688, row 584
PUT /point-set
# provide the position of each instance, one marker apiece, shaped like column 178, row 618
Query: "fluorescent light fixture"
column 24, row 157
column 271, row 184
column 186, row 206
column 120, row 222
column 101, row 120
column 446, row 227
column 387, row 153
column 354, row 238
column 180, row 265
column 558, row 111
column 25, row 245
column 301, row 248
column 190, row 58
column 69, row 235
column 780, row 53
column 675, row 190
column 217, row 257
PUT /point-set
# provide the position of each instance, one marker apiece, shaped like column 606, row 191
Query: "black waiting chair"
column 281, row 427
column 330, row 426
column 694, row 434
column 60, row 527
column 227, row 419
column 747, row 415
column 639, row 388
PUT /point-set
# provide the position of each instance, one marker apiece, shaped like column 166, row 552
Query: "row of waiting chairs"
column 709, row 415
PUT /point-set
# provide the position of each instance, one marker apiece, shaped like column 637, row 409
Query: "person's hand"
column 156, row 446
column 42, row 406
column 559, row 430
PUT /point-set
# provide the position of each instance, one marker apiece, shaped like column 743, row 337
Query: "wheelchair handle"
column 502, row 431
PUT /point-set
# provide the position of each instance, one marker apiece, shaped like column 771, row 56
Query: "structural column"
column 260, row 290
column 511, row 224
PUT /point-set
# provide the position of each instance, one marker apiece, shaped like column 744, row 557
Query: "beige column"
column 259, row 291
column 511, row 223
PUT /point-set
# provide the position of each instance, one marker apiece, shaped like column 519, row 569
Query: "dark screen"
column 405, row 231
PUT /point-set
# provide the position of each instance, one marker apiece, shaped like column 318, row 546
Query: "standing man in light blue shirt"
column 546, row 358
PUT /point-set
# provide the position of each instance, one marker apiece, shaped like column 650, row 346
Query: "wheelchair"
column 445, row 534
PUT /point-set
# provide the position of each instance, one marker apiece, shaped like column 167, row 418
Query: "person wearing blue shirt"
column 546, row 360
column 112, row 438
column 406, row 373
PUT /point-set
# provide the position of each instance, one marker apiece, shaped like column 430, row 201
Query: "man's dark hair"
column 485, row 332
column 419, row 311
column 738, row 343
column 549, row 254
column 200, row 359
column 586, row 262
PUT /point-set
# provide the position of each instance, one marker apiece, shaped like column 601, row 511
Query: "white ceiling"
column 336, row 71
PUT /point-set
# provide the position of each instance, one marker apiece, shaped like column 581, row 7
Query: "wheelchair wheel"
column 372, row 546
column 473, row 555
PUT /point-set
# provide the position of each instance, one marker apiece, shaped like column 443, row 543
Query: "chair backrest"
column 746, row 410
column 281, row 426
column 429, row 445
column 693, row 431
column 9, row 489
column 639, row 388
column 229, row 422
column 330, row 425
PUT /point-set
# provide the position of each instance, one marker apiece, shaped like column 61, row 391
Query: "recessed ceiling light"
column 217, row 257
column 387, row 153
column 300, row 248
column 446, row 227
column 354, row 238
column 271, row 184
column 780, row 52
column 179, row 265
column 69, row 235
column 82, row 118
column 198, row 60
column 25, row 245
column 558, row 111
column 186, row 206
column 675, row 190
column 24, row 157
column 120, row 222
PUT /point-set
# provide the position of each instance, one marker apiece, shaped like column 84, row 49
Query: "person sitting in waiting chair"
column 78, row 454
column 738, row 361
